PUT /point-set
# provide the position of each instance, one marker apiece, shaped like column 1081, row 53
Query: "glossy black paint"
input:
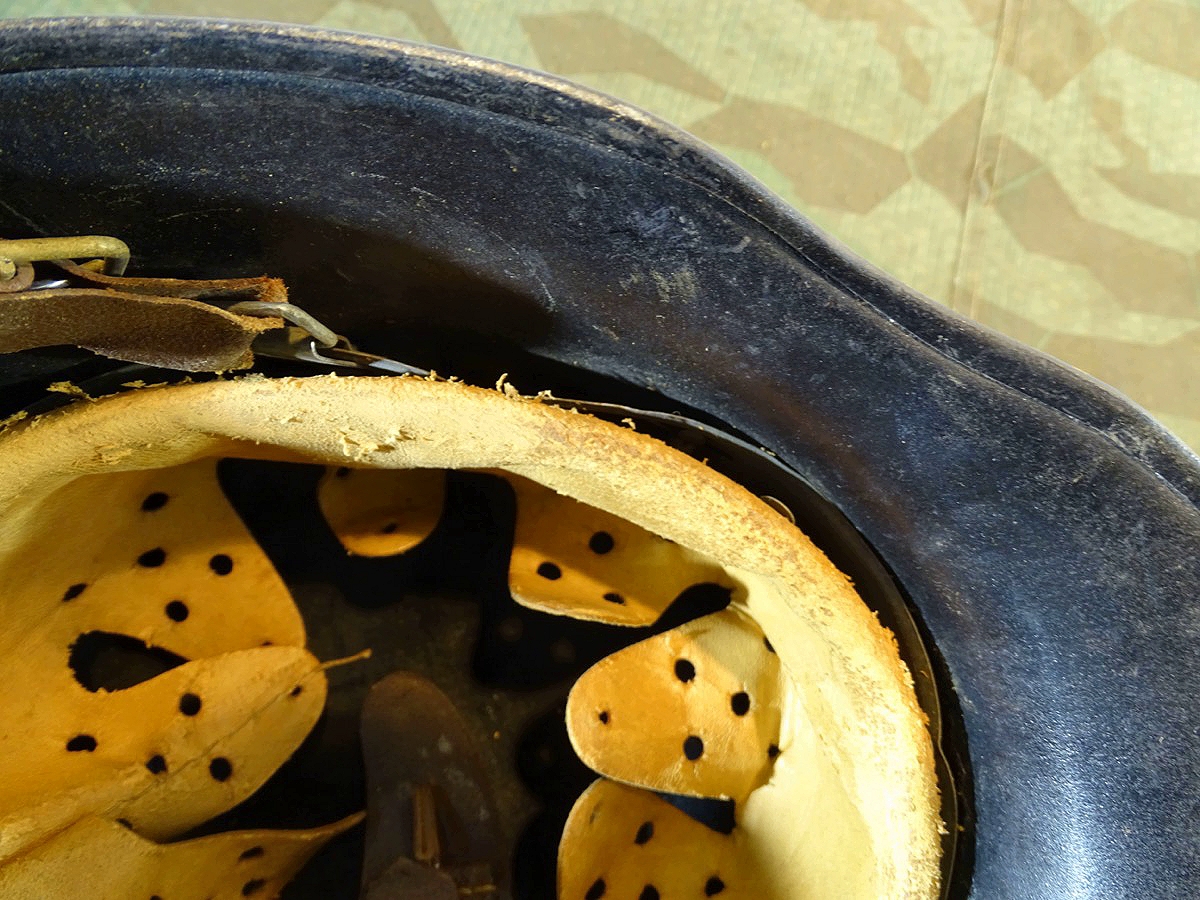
column 460, row 214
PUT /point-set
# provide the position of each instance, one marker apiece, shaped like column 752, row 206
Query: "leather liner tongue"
column 157, row 559
column 382, row 512
column 157, row 554
column 573, row 559
column 703, row 720
column 625, row 842
column 103, row 859
column 568, row 558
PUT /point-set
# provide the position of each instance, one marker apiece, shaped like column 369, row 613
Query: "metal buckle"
column 297, row 343
column 320, row 334
column 18, row 256
column 306, row 339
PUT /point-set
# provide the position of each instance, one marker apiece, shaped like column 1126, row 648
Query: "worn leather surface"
column 157, row 331
column 457, row 212
column 155, row 321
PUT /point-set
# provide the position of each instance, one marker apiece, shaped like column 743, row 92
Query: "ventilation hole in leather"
column 189, row 704
column 649, row 892
column 252, row 853
column 177, row 610
column 104, row 661
column 614, row 597
column 773, row 751
column 81, row 743
column 644, row 833
column 152, row 559
column 156, row 764
column 73, row 591
column 296, row 691
column 601, row 542
column 596, row 891
column 549, row 571
column 253, row 887
column 390, row 528
column 221, row 564
column 220, row 769
column 684, row 670
column 740, row 703
column 713, row 886
column 693, row 748
column 154, row 501
column 603, row 717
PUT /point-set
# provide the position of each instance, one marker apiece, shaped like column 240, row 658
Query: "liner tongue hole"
column 220, row 769
column 601, row 542
column 73, row 591
column 81, row 743
column 152, row 559
column 105, row 661
column 222, row 564
column 154, row 501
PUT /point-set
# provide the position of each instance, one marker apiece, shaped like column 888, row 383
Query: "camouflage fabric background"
column 1032, row 164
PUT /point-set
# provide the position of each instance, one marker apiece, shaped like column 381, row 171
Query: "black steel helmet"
column 1029, row 535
